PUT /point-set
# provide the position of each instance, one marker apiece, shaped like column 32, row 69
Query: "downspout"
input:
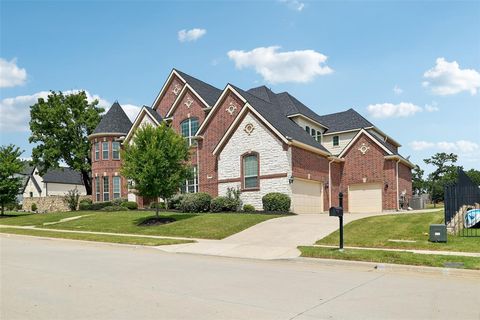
column 198, row 171
column 330, row 184
column 398, row 197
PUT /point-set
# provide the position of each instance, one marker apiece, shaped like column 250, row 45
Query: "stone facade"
column 48, row 204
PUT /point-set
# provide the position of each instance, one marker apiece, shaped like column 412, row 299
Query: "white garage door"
column 365, row 197
column 307, row 196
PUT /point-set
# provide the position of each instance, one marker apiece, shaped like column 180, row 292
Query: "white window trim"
column 115, row 143
column 106, row 178
column 195, row 181
column 245, row 176
column 108, row 150
column 97, row 151
column 97, row 189
column 117, row 178
column 190, row 135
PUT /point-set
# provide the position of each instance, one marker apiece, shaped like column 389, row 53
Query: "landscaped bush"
column 34, row 207
column 99, row 205
column 160, row 205
column 71, row 199
column 276, row 201
column 84, row 206
column 248, row 208
column 130, row 205
column 196, row 202
column 119, row 201
column 223, row 204
column 174, row 202
column 112, row 208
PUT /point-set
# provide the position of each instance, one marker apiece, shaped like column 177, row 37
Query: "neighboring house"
column 260, row 142
column 53, row 183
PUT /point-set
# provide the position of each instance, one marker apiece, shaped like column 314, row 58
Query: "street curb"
column 389, row 267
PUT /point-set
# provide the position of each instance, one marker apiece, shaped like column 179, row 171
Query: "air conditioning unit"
column 438, row 233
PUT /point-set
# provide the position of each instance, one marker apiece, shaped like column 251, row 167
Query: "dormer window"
column 335, row 141
column 307, row 128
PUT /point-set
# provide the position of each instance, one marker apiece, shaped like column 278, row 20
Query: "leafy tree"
column 10, row 184
column 474, row 175
column 60, row 127
column 445, row 172
column 418, row 182
column 157, row 161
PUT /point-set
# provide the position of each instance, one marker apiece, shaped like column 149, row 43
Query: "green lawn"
column 376, row 231
column 94, row 237
column 207, row 225
column 407, row 258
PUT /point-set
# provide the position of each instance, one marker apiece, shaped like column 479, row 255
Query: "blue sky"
column 382, row 58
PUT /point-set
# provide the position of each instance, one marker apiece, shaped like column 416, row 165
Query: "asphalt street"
column 61, row 279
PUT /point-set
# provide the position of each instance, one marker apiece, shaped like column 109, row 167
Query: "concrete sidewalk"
column 273, row 239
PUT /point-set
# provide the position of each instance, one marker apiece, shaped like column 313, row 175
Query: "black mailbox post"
column 338, row 212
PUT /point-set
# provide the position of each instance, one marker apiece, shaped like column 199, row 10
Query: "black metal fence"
column 461, row 197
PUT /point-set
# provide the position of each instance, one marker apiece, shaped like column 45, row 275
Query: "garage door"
column 365, row 197
column 307, row 196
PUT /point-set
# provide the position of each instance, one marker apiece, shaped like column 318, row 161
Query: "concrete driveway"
column 272, row 239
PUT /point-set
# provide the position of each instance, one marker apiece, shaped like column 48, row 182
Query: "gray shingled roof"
column 114, row 121
column 63, row 175
column 345, row 120
column 208, row 92
column 286, row 126
column 154, row 114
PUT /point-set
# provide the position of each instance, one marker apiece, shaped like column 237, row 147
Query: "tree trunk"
column 3, row 209
column 87, row 182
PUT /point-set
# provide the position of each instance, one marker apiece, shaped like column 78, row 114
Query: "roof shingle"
column 208, row 92
column 114, row 121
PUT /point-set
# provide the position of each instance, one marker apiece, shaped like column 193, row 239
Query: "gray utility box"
column 438, row 233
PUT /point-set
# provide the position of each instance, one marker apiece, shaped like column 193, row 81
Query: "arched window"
column 188, row 129
column 250, row 167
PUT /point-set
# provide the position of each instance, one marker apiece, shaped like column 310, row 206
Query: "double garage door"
column 365, row 197
column 307, row 196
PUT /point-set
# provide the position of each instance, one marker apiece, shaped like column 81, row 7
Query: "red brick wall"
column 371, row 165
column 218, row 125
column 336, row 177
column 108, row 168
column 168, row 97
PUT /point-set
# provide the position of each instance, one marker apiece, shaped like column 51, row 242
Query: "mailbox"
column 336, row 212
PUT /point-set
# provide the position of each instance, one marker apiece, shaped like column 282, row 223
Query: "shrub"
column 86, row 200
column 276, row 201
column 248, row 208
column 84, row 206
column 130, row 205
column 71, row 199
column 99, row 205
column 234, row 194
column 195, row 202
column 224, row 204
column 112, row 208
column 34, row 207
column 119, row 201
column 174, row 202
column 160, row 205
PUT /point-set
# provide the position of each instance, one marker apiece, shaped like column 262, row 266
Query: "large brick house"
column 260, row 142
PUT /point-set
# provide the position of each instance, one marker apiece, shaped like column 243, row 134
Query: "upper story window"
column 318, row 137
column 307, row 128
column 97, row 151
column 116, row 187
column 188, row 129
column 191, row 185
column 105, row 150
column 335, row 141
column 116, row 150
column 250, row 171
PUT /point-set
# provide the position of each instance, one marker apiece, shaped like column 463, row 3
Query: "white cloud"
column 131, row 110
column 463, row 147
column 191, row 35
column 294, row 4
column 389, row 110
column 446, row 78
column 10, row 74
column 431, row 107
column 277, row 67
column 15, row 111
column 397, row 90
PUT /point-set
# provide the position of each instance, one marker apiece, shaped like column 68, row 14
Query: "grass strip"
column 144, row 241
column 407, row 258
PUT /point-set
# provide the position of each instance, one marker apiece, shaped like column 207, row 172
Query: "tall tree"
column 474, row 175
column 10, row 184
column 445, row 172
column 157, row 161
column 60, row 127
column 418, row 182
